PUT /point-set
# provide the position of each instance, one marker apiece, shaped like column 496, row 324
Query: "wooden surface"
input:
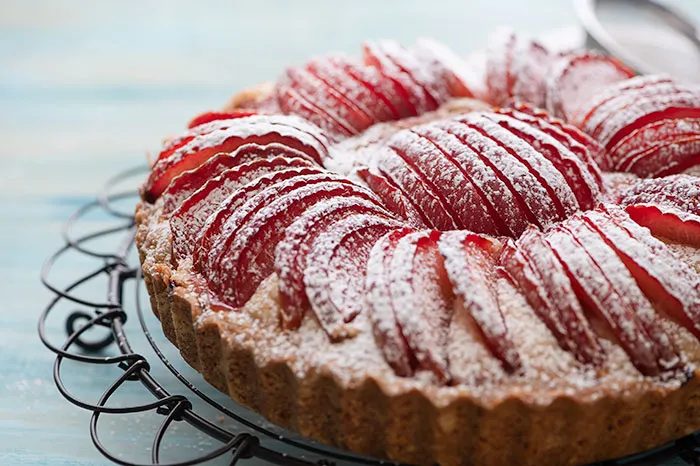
column 87, row 88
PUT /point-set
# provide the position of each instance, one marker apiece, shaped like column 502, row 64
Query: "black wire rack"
column 244, row 437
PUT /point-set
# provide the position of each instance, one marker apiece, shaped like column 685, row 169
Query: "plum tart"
column 432, row 260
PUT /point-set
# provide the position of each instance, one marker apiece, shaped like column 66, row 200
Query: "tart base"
column 381, row 417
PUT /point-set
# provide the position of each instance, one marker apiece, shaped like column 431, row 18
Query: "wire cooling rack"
column 96, row 327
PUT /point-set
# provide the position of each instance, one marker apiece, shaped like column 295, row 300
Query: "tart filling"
column 436, row 257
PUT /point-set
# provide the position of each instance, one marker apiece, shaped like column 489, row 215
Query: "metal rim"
column 599, row 37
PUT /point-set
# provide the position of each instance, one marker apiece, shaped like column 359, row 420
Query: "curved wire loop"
column 110, row 315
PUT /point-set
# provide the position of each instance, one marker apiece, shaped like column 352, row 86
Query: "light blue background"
column 87, row 87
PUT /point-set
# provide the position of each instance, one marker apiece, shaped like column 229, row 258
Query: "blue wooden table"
column 87, row 87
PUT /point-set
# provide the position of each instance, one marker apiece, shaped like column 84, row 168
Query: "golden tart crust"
column 344, row 394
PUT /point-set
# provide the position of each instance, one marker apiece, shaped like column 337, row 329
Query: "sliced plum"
column 208, row 117
column 576, row 77
column 392, row 197
column 535, row 269
column 470, row 262
column 397, row 168
column 335, row 275
column 245, row 255
column 538, row 164
column 291, row 254
column 259, row 129
column 185, row 184
column 230, row 190
column 385, row 325
column 584, row 179
column 666, row 280
column 668, row 206
column 422, row 299
column 444, row 179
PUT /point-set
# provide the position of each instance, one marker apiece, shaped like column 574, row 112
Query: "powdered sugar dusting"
column 680, row 284
column 529, row 192
column 548, row 371
column 184, row 185
column 584, row 146
column 516, row 67
column 190, row 217
column 199, row 130
column 667, row 158
column 621, row 123
column 435, row 88
column 530, row 66
column 540, row 166
column 285, row 125
column 612, row 92
column 392, row 197
column 652, row 135
column 577, row 172
column 377, row 91
column 677, row 191
column 632, row 297
column 322, row 95
column 472, row 274
column 250, row 256
column 614, row 120
column 233, row 137
column 375, row 55
column 387, row 332
column 492, row 188
column 447, row 181
column 499, row 58
column 422, row 311
column 403, row 174
column 297, row 102
column 212, row 225
column 357, row 96
column 442, row 61
column 291, row 254
column 587, row 276
column 576, row 77
column 533, row 264
column 334, row 277
column 475, row 212
column 618, row 97
column 217, row 263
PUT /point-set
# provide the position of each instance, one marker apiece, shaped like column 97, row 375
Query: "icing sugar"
column 510, row 182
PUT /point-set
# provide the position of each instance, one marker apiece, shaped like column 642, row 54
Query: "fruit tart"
column 412, row 257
